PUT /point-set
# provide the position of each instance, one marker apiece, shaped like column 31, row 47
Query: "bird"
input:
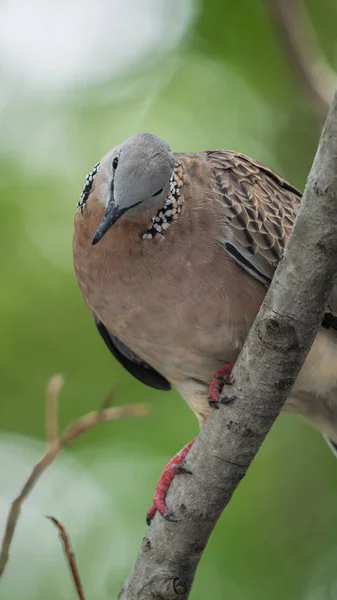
column 173, row 254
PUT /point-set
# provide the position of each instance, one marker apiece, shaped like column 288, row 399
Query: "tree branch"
column 55, row 445
column 305, row 56
column 70, row 556
column 265, row 371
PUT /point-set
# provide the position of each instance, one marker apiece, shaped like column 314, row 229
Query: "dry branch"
column 70, row 557
column 56, row 444
column 269, row 363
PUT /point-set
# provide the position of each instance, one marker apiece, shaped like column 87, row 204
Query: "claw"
column 182, row 469
column 174, row 467
column 214, row 404
column 169, row 517
column 226, row 399
column 150, row 514
column 220, row 378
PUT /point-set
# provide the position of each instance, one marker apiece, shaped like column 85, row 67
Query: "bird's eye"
column 115, row 163
column 157, row 193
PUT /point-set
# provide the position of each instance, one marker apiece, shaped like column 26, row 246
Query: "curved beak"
column 111, row 215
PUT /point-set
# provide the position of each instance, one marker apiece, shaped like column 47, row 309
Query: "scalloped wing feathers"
column 260, row 210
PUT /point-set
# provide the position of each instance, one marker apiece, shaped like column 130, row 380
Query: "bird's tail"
column 332, row 445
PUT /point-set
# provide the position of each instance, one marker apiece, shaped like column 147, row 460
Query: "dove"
column 173, row 254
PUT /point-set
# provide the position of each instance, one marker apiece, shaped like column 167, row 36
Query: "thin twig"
column 70, row 557
column 306, row 57
column 55, row 446
column 53, row 390
column 15, row 510
column 109, row 399
column 108, row 414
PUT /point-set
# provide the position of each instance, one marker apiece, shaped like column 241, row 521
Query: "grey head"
column 134, row 172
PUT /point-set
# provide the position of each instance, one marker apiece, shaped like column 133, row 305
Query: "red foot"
column 172, row 468
column 220, row 377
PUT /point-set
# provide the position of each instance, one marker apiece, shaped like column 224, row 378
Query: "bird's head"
column 137, row 171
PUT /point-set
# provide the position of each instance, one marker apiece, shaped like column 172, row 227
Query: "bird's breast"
column 178, row 301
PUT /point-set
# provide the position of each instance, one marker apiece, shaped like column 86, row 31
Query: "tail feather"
column 332, row 445
column 329, row 320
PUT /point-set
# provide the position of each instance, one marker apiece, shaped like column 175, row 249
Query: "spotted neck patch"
column 89, row 180
column 173, row 204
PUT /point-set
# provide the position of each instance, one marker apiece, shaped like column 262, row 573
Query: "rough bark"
column 264, row 373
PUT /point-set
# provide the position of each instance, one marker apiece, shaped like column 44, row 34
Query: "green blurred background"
column 76, row 79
